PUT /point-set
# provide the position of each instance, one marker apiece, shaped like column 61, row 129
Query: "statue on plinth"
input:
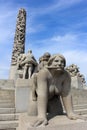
column 27, row 63
column 78, row 79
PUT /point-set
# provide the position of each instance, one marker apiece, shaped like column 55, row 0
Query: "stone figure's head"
column 47, row 55
column 30, row 51
column 57, row 61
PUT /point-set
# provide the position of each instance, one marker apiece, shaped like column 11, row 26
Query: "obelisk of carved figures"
column 19, row 41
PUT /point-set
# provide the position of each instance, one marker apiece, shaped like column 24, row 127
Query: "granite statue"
column 74, row 71
column 27, row 63
column 50, row 81
column 43, row 60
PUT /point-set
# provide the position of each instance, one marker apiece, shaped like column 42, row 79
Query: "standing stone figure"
column 27, row 63
column 19, row 41
column 52, row 81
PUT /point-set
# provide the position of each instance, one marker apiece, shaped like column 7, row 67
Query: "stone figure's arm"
column 42, row 94
column 34, row 86
column 42, row 99
column 23, row 58
column 67, row 101
column 66, row 95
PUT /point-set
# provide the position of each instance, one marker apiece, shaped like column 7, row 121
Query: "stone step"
column 10, row 129
column 81, row 111
column 9, row 117
column 79, row 106
column 76, row 107
column 7, row 105
column 6, row 94
column 7, row 110
column 6, row 101
column 80, row 101
column 7, row 125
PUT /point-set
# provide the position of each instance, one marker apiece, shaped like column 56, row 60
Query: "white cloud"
column 67, row 38
column 53, row 6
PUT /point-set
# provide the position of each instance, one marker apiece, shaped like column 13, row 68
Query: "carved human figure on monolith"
column 19, row 39
column 19, row 42
column 52, row 80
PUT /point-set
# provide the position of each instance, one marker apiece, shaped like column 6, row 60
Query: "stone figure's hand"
column 73, row 116
column 39, row 122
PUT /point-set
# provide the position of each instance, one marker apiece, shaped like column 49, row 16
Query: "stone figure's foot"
column 73, row 116
column 39, row 122
column 34, row 98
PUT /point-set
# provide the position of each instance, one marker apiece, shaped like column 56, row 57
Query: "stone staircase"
column 80, row 109
column 79, row 101
column 8, row 116
column 9, row 119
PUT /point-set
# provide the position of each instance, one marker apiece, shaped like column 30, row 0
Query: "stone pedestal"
column 76, row 82
column 22, row 94
column 13, row 71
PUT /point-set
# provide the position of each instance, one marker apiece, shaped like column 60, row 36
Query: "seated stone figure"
column 27, row 62
column 50, row 81
column 20, row 59
column 20, row 68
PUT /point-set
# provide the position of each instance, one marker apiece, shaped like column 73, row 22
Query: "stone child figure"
column 53, row 80
column 20, row 59
column 43, row 60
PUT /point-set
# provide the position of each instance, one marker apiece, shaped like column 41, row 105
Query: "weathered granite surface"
column 56, row 123
column 19, row 42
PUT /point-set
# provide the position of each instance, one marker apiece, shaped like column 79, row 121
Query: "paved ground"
column 56, row 123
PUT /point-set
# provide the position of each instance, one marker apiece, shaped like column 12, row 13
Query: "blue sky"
column 55, row 26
